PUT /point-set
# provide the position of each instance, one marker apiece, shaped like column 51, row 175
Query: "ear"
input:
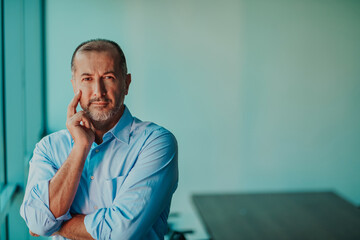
column 127, row 83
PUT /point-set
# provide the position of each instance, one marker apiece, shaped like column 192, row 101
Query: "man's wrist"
column 74, row 228
column 82, row 148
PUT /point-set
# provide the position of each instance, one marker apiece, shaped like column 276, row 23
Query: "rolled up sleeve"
column 35, row 207
column 145, row 193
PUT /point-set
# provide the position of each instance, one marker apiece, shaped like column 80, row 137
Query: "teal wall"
column 261, row 95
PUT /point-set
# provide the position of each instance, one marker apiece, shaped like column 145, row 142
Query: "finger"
column 33, row 234
column 89, row 125
column 92, row 127
column 86, row 122
column 73, row 104
column 82, row 119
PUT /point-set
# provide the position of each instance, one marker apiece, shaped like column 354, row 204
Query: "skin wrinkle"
column 98, row 66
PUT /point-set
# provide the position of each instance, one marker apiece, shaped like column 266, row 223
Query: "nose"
column 99, row 88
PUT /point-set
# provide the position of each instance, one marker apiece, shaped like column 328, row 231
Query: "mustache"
column 98, row 100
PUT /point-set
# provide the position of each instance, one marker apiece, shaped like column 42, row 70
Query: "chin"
column 100, row 116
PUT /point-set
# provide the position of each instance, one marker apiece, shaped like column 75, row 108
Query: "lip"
column 100, row 103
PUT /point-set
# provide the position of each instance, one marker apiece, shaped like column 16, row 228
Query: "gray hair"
column 100, row 45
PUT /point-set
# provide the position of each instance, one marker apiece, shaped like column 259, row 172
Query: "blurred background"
column 261, row 95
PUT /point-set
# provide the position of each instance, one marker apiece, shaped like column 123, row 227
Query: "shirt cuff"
column 37, row 214
column 41, row 190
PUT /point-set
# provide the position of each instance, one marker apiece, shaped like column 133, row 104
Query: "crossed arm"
column 62, row 190
column 72, row 229
column 64, row 184
column 144, row 195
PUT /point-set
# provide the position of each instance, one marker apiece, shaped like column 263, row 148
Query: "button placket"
column 92, row 159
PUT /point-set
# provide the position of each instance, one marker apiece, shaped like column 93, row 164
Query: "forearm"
column 74, row 229
column 64, row 184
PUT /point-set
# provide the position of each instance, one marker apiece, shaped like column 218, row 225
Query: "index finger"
column 73, row 104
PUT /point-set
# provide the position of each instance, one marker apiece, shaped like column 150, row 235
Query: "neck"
column 100, row 128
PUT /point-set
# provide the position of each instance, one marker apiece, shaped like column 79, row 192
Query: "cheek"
column 83, row 104
column 85, row 92
column 114, row 92
column 83, row 87
column 85, row 98
column 119, row 95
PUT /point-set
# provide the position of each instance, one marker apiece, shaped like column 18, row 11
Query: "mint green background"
column 261, row 95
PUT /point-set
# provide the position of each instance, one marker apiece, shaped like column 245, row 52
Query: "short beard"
column 100, row 119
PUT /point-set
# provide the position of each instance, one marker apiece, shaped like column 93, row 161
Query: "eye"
column 86, row 79
column 109, row 77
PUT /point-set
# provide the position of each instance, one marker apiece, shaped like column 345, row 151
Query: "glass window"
column 21, row 109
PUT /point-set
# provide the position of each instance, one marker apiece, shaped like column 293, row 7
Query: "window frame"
column 22, row 104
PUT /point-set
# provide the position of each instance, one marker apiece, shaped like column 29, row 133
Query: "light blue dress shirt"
column 125, row 188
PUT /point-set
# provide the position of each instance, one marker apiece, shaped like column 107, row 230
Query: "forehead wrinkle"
column 90, row 65
column 86, row 74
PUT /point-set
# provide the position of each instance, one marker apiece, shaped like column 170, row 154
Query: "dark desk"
column 314, row 215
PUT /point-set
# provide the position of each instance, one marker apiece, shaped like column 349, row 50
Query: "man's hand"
column 33, row 234
column 79, row 124
column 64, row 184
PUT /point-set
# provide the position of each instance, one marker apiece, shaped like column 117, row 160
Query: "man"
column 109, row 175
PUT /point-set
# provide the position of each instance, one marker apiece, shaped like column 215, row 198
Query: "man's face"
column 103, row 87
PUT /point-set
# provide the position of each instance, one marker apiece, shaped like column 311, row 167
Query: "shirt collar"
column 121, row 130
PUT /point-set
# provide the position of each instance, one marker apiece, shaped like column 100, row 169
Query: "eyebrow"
column 89, row 74
column 86, row 74
column 112, row 72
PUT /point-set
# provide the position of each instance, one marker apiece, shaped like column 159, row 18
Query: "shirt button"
column 97, row 150
column 92, row 177
column 95, row 207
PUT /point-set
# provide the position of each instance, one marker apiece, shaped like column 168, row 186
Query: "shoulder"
column 50, row 146
column 149, row 132
column 157, row 145
column 56, row 138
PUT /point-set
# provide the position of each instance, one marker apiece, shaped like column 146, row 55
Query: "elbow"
column 44, row 230
column 40, row 222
